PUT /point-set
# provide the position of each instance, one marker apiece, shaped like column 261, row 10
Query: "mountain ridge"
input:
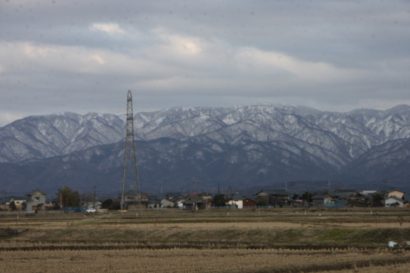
column 37, row 137
column 262, row 143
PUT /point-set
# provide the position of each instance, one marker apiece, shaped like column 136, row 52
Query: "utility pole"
column 130, row 171
column 94, row 195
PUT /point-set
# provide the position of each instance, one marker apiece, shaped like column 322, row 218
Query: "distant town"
column 69, row 200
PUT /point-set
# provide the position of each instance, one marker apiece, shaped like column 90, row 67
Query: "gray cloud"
column 83, row 55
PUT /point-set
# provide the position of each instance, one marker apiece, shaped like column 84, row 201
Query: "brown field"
column 269, row 240
column 194, row 260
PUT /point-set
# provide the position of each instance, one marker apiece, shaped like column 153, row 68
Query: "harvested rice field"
column 209, row 241
column 195, row 260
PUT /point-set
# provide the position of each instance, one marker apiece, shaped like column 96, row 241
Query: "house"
column 195, row 202
column 134, row 201
column 331, row 201
column 279, row 198
column 394, row 199
column 249, row 203
column 92, row 204
column 16, row 203
column 262, row 198
column 276, row 198
column 318, row 200
column 297, row 203
column 368, row 192
column 35, row 201
column 393, row 202
column 396, row 194
column 207, row 198
column 165, row 203
column 180, row 203
column 235, row 203
column 358, row 200
column 154, row 203
column 4, row 207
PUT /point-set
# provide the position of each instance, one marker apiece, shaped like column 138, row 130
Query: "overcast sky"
column 83, row 56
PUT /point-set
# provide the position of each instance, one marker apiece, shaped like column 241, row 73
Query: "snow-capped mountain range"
column 255, row 136
column 336, row 137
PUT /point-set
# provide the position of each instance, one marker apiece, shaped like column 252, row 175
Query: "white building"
column 235, row 203
column 165, row 203
column 35, row 201
column 368, row 192
column 18, row 203
column 180, row 204
column 393, row 202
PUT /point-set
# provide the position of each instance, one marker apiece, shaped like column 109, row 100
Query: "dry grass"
column 120, row 242
column 396, row 268
column 187, row 260
column 230, row 234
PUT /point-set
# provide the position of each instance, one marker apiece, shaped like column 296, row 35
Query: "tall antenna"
column 130, row 156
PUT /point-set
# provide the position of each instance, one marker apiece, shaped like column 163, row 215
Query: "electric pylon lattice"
column 129, row 186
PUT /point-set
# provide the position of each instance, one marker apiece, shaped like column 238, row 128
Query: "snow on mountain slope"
column 337, row 138
column 169, row 164
column 39, row 137
column 344, row 136
column 389, row 161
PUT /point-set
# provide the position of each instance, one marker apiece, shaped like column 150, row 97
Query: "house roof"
column 397, row 194
column 368, row 192
column 36, row 192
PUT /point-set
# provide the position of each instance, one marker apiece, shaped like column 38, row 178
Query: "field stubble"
column 192, row 260
column 218, row 241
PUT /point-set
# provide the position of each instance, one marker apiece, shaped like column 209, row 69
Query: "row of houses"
column 282, row 198
column 202, row 201
column 335, row 199
column 33, row 202
column 37, row 200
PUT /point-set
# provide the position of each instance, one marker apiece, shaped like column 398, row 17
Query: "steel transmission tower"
column 130, row 173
